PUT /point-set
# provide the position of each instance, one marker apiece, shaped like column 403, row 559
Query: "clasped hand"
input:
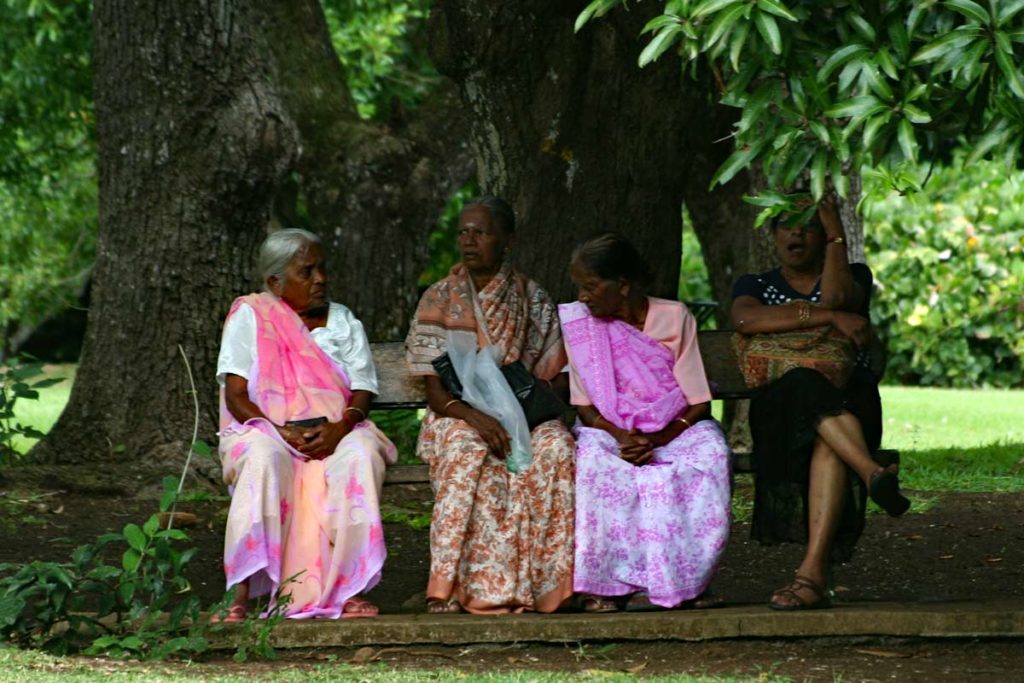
column 635, row 447
column 316, row 443
column 854, row 327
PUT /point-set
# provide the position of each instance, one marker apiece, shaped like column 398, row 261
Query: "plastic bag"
column 485, row 388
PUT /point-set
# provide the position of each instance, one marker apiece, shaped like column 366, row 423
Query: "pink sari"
column 661, row 527
column 309, row 528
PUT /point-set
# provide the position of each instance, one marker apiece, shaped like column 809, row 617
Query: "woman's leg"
column 845, row 438
column 826, row 495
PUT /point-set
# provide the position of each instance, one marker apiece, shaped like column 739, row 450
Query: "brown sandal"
column 439, row 606
column 597, row 604
column 801, row 583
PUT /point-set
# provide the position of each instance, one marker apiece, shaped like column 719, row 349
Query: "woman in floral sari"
column 652, row 469
column 304, row 464
column 499, row 541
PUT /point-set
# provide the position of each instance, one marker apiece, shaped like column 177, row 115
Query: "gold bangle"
column 803, row 312
column 684, row 421
column 362, row 414
column 446, row 405
column 836, row 240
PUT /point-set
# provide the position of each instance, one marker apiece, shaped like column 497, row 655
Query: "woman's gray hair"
column 278, row 250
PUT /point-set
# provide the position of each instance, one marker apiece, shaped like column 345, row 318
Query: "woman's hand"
column 291, row 434
column 491, row 431
column 635, row 447
column 852, row 326
column 828, row 214
column 319, row 442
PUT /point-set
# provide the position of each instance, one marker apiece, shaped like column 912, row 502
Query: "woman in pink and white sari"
column 304, row 464
column 652, row 468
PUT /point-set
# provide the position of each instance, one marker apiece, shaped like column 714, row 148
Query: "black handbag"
column 537, row 399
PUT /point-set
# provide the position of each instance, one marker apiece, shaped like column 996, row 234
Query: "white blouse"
column 342, row 339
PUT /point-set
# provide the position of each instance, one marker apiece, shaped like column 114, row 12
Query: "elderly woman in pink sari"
column 499, row 541
column 652, row 470
column 304, row 464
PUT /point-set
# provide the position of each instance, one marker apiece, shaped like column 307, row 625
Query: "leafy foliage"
column 47, row 181
column 67, row 607
column 377, row 43
column 825, row 88
column 19, row 380
column 949, row 263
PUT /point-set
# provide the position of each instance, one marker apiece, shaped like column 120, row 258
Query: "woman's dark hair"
column 611, row 256
column 501, row 213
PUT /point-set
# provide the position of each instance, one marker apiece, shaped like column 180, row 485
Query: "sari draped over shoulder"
column 660, row 527
column 499, row 541
column 310, row 528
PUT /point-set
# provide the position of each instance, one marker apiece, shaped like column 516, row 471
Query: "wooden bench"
column 399, row 390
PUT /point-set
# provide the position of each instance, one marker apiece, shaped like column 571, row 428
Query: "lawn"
column 26, row 665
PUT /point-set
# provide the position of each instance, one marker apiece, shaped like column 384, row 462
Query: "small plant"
column 138, row 609
column 16, row 375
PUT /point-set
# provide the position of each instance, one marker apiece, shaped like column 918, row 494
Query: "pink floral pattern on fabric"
column 661, row 527
column 293, row 524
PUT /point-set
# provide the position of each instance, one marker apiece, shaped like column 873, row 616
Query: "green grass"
column 27, row 665
column 922, row 419
column 43, row 413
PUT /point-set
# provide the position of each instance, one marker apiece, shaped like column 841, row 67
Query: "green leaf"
column 134, row 536
column 916, row 115
column 861, row 26
column 886, row 64
column 661, row 42
column 660, row 22
column 838, row 58
column 151, row 526
column 10, row 610
column 839, row 180
column 127, row 591
column 1008, row 9
column 776, row 8
column 819, row 131
column 1012, row 73
column 767, row 199
column 130, row 560
column 48, row 382
column 877, row 82
column 860, row 106
column 971, row 10
column 898, row 38
column 769, row 30
column 711, row 6
column 905, row 136
column 737, row 161
column 739, row 38
column 818, row 175
column 873, row 125
column 724, row 23
column 595, row 9
column 936, row 49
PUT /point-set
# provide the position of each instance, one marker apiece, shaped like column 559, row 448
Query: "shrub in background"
column 949, row 272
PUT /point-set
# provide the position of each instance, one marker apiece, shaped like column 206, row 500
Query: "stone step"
column 958, row 619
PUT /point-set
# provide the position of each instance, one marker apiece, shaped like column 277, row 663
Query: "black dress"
column 784, row 416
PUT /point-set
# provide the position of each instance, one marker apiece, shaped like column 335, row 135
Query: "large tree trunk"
column 206, row 112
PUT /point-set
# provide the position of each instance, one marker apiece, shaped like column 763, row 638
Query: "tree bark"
column 206, row 113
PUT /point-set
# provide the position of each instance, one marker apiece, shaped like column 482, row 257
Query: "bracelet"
column 803, row 312
column 684, row 421
column 362, row 414
column 446, row 405
column 836, row 240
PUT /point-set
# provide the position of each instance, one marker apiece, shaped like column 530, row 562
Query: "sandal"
column 438, row 606
column 357, row 607
column 597, row 604
column 236, row 614
column 641, row 602
column 801, row 583
column 884, row 489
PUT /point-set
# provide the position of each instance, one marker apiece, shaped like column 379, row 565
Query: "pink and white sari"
column 315, row 520
column 660, row 527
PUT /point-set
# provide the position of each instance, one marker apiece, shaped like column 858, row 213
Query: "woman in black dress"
column 812, row 441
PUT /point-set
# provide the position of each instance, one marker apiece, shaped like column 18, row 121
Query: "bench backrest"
column 400, row 390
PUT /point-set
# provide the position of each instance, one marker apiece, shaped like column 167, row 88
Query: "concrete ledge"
column 1003, row 619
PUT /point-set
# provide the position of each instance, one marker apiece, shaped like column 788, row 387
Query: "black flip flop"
column 885, row 491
